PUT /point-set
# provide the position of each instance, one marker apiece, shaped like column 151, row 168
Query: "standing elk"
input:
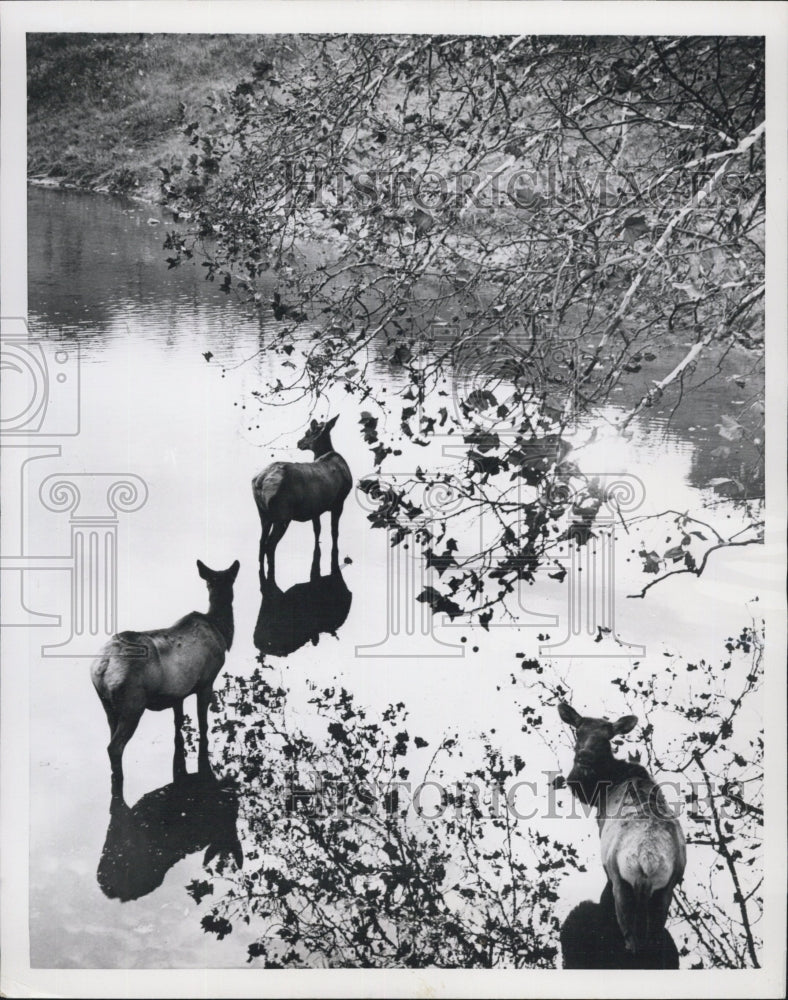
column 158, row 669
column 643, row 847
column 302, row 491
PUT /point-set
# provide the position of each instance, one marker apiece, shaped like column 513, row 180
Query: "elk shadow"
column 291, row 618
column 145, row 840
column 591, row 939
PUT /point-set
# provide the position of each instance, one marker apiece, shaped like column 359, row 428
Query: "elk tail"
column 652, row 876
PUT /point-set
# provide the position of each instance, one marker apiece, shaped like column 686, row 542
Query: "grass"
column 104, row 111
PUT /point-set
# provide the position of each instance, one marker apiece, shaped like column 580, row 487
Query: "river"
column 168, row 364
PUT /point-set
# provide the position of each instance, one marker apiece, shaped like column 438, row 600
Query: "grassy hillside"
column 104, row 110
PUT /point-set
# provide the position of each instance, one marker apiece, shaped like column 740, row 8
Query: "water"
column 152, row 404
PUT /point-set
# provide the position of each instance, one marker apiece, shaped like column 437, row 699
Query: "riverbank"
column 105, row 112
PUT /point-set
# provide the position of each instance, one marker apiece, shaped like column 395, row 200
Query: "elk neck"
column 220, row 615
column 322, row 445
column 586, row 783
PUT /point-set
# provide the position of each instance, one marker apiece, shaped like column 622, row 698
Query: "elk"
column 592, row 939
column 302, row 491
column 642, row 845
column 159, row 668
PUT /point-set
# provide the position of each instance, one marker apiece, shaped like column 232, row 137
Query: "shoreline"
column 64, row 184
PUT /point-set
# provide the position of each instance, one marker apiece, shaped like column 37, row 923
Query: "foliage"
column 518, row 228
column 344, row 866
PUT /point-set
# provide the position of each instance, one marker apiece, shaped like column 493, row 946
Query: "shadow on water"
column 591, row 939
column 145, row 840
column 291, row 618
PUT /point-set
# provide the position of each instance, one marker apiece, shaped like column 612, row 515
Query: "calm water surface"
column 154, row 406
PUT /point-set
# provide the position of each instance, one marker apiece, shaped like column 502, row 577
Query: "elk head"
column 593, row 750
column 317, row 438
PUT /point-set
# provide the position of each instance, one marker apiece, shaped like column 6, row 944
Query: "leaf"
column 216, row 925
column 197, row 889
column 484, row 440
column 481, row 399
column 420, row 742
column 440, row 562
column 651, row 561
column 439, row 603
column 634, row 227
column 338, row 732
column 380, row 452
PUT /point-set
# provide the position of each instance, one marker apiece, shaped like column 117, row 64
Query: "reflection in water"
column 143, row 842
column 289, row 619
column 592, row 939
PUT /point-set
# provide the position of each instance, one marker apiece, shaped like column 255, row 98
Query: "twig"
column 723, row 848
column 699, row 568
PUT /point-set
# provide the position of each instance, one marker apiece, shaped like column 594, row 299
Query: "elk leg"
column 179, row 757
column 336, row 513
column 203, row 697
column 658, row 907
column 112, row 717
column 277, row 530
column 624, row 896
column 121, row 735
column 315, row 571
column 266, row 530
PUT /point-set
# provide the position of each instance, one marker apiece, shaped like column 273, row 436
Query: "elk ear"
column 568, row 714
column 234, row 570
column 625, row 724
column 330, row 423
column 314, row 425
column 202, row 569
